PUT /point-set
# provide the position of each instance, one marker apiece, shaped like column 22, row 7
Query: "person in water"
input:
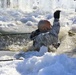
column 46, row 34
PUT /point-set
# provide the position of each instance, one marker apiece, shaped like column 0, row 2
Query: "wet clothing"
column 48, row 38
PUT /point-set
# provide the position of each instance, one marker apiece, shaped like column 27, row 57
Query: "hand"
column 57, row 14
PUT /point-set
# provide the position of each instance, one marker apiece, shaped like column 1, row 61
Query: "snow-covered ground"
column 42, row 62
column 38, row 64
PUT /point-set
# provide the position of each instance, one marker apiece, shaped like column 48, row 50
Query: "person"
column 43, row 27
column 45, row 36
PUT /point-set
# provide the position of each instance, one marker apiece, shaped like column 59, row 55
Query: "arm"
column 56, row 27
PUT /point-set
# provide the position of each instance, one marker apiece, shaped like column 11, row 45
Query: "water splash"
column 13, row 40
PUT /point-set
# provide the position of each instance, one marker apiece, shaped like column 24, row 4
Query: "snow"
column 40, row 65
column 15, row 21
column 42, row 62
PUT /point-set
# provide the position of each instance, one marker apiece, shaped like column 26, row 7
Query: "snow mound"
column 48, row 64
column 44, row 64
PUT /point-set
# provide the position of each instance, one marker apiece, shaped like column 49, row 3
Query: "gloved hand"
column 57, row 14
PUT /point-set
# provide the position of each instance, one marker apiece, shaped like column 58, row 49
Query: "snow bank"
column 48, row 64
column 17, row 21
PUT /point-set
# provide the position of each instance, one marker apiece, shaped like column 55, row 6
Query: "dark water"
column 16, row 39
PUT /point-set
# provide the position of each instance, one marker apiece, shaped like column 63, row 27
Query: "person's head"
column 44, row 26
